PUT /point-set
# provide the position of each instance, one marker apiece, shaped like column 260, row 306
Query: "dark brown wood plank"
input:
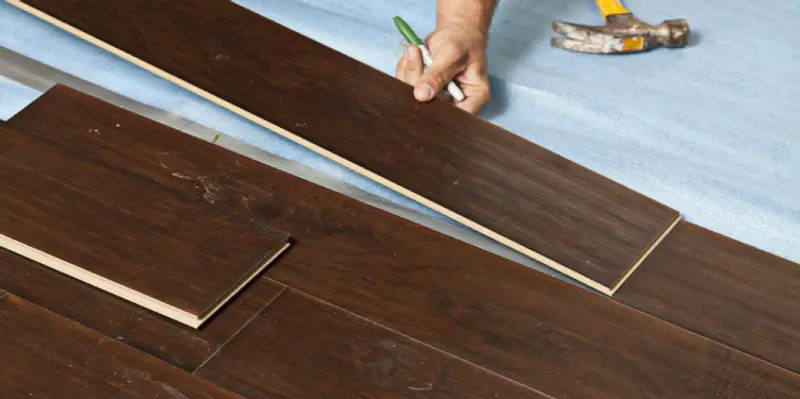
column 302, row 348
column 549, row 335
column 126, row 229
column 43, row 355
column 723, row 289
column 518, row 193
column 180, row 345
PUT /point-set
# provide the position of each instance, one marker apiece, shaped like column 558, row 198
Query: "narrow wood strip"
column 177, row 344
column 530, row 199
column 125, row 235
column 526, row 326
column 302, row 348
column 723, row 289
column 123, row 291
column 45, row 356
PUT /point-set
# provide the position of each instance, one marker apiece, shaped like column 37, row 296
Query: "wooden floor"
column 535, row 201
column 364, row 304
column 371, row 305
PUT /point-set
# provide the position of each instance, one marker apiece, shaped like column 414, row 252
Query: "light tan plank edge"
column 644, row 256
column 114, row 288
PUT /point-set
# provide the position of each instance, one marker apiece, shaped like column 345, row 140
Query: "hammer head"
column 622, row 33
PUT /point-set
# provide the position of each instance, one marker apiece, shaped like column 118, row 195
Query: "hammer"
column 622, row 33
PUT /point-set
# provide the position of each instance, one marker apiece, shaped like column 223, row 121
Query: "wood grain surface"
column 125, row 228
column 177, row 344
column 45, row 356
column 723, row 289
column 516, row 192
column 552, row 336
column 302, row 348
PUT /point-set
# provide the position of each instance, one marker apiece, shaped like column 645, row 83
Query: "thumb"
column 434, row 79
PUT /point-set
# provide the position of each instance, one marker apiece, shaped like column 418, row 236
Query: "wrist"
column 472, row 15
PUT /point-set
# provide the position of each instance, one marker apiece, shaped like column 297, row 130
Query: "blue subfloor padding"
column 712, row 130
column 14, row 97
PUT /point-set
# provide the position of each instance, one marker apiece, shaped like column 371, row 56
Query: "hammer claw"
column 580, row 46
column 609, row 46
column 573, row 30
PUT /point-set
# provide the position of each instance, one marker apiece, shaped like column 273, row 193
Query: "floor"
column 470, row 325
column 708, row 130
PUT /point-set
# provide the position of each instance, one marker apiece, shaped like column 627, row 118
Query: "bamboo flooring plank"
column 520, row 194
column 723, row 289
column 124, row 234
column 300, row 347
column 554, row 337
column 177, row 344
column 43, row 355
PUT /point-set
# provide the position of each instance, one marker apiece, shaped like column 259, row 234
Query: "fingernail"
column 423, row 92
column 410, row 53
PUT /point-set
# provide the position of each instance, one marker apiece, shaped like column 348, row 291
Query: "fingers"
column 433, row 80
column 429, row 84
column 415, row 66
column 476, row 99
column 400, row 70
column 410, row 66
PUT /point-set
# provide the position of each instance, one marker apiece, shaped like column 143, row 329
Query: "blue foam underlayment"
column 14, row 97
column 711, row 130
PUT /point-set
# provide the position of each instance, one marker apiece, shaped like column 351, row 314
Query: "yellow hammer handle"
column 611, row 7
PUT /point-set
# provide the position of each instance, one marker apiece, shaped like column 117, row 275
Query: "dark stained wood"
column 523, row 192
column 45, row 356
column 723, row 289
column 180, row 345
column 549, row 335
column 125, row 228
column 302, row 348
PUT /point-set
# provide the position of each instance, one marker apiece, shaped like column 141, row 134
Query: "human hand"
column 459, row 54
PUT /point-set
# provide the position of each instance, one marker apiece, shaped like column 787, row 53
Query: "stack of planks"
column 364, row 304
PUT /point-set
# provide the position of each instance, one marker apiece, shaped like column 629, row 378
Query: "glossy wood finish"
column 302, row 348
column 125, row 228
column 180, row 345
column 723, row 289
column 518, row 193
column 45, row 356
column 549, row 335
